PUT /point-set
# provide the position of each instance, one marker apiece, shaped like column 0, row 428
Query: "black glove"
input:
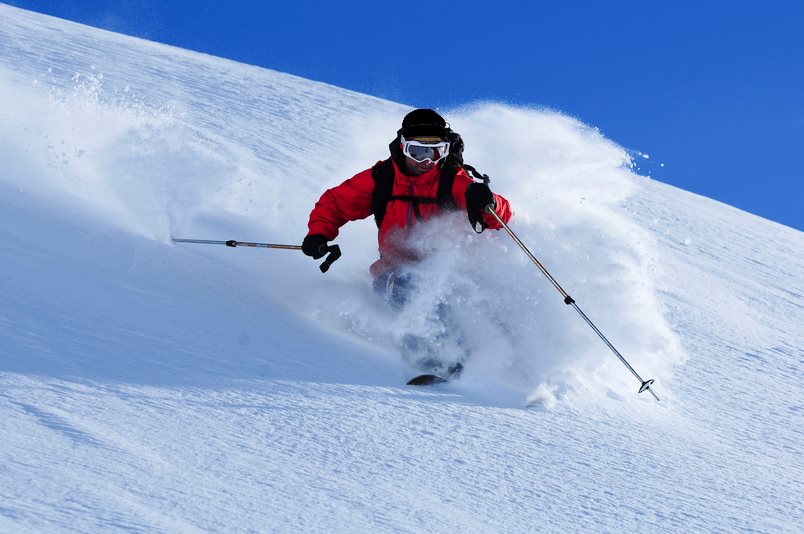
column 478, row 196
column 315, row 245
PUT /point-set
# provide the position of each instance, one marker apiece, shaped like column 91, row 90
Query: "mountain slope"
column 160, row 387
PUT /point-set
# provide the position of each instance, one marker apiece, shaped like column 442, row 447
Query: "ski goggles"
column 422, row 152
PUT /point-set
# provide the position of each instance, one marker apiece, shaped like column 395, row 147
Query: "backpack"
column 383, row 175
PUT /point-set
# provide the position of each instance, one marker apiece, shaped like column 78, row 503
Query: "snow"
column 158, row 387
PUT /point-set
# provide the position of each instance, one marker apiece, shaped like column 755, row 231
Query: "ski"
column 430, row 379
column 426, row 380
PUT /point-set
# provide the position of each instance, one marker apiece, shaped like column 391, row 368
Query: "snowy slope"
column 150, row 386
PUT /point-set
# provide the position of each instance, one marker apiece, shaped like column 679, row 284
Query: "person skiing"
column 417, row 168
column 420, row 180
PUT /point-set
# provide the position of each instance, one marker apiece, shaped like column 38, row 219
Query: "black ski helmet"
column 424, row 123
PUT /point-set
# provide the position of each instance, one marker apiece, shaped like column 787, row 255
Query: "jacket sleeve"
column 346, row 202
column 503, row 208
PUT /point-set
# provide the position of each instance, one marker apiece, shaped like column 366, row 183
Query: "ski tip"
column 426, row 380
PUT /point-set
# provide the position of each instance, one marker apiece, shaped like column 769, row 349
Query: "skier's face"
column 416, row 168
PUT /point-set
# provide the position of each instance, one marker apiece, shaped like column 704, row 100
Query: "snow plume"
column 162, row 160
column 567, row 185
column 155, row 169
column 138, row 165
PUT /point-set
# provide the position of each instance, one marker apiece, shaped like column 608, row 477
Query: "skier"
column 417, row 183
column 419, row 165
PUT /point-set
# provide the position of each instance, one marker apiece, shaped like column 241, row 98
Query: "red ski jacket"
column 352, row 200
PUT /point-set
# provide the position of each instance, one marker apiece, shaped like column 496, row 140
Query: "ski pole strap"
column 474, row 173
column 334, row 253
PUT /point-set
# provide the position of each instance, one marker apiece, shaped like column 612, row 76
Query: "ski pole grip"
column 334, row 254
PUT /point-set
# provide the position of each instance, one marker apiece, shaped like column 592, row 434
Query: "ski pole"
column 646, row 384
column 334, row 251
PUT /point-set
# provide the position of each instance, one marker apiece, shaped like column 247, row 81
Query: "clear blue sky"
column 712, row 89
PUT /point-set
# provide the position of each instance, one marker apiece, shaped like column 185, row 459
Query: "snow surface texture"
column 150, row 386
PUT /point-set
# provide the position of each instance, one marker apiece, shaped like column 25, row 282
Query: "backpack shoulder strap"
column 445, row 181
column 452, row 164
column 383, row 174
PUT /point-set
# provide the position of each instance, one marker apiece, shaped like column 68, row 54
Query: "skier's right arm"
column 349, row 201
